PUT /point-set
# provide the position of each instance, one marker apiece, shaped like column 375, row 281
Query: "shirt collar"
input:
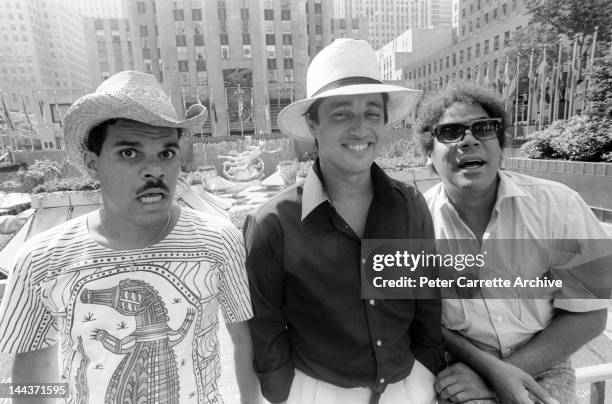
column 315, row 194
column 507, row 188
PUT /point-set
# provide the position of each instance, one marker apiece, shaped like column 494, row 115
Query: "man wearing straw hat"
column 130, row 292
column 315, row 339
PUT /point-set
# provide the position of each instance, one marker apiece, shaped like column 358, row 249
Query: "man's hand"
column 515, row 386
column 459, row 383
column 243, row 362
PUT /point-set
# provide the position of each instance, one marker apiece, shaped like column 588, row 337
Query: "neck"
column 474, row 203
column 343, row 187
column 114, row 232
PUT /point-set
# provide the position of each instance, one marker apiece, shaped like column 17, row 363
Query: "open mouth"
column 358, row 147
column 150, row 199
column 471, row 163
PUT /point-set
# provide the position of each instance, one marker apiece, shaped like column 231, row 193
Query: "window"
column 179, row 14
column 285, row 15
column 181, row 40
column 486, row 18
column 202, row 78
column 317, row 8
column 246, row 51
column 272, row 76
column 495, row 13
column 477, row 50
column 319, row 29
column 506, row 39
column 289, row 76
column 462, row 30
column 196, row 14
column 287, row 39
column 288, row 63
column 270, row 39
column 183, row 66
column 271, row 51
column 184, row 79
column 244, row 13
column 200, row 65
column 477, row 22
column 496, row 43
column 429, row 68
column 223, row 39
column 470, row 26
column 469, row 53
column 447, row 62
column 246, row 39
column 504, row 9
column 461, row 56
column 454, row 59
column 198, row 40
column 271, row 64
column 463, row 13
column 144, row 30
column 460, row 74
column 141, row 7
column 224, row 52
column 268, row 14
column 222, row 13
column 486, row 47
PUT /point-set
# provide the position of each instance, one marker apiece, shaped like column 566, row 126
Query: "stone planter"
column 593, row 181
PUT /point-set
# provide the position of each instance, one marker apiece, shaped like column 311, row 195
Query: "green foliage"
column 581, row 138
column 67, row 184
column 400, row 155
column 599, row 94
column 38, row 173
column 573, row 18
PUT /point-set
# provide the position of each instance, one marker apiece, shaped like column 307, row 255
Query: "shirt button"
column 382, row 381
column 499, row 319
column 378, row 342
column 372, row 302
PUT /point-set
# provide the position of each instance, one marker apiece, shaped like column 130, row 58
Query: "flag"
column 25, row 112
column 556, row 84
column 530, row 86
column 213, row 110
column 58, row 115
column 574, row 77
column 488, row 75
column 7, row 115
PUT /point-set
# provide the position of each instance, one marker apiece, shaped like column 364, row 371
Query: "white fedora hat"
column 345, row 67
column 130, row 95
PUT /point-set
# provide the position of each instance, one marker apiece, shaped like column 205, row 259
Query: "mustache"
column 156, row 184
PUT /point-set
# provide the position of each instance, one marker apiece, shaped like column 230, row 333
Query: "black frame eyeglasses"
column 482, row 129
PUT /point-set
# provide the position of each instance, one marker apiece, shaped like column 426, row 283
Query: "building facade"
column 244, row 59
column 106, row 9
column 109, row 47
column 485, row 31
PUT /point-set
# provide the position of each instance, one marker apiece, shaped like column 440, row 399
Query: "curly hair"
column 432, row 107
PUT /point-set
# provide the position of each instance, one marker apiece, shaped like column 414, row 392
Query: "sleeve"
column 583, row 260
column 233, row 283
column 25, row 323
column 426, row 328
column 272, row 350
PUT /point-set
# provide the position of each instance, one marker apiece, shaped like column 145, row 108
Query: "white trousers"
column 416, row 388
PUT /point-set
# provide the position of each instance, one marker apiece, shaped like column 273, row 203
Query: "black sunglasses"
column 482, row 129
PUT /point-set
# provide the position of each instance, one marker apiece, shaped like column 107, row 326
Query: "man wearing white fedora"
column 129, row 294
column 315, row 339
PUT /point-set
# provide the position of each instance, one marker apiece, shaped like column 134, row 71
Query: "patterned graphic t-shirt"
column 133, row 326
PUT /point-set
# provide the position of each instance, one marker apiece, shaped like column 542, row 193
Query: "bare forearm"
column 243, row 363
column 35, row 367
column 567, row 333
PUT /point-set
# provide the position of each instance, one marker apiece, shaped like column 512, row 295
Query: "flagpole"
column 505, row 88
column 543, row 79
column 590, row 64
column 530, row 77
column 516, row 107
column 574, row 82
column 556, row 84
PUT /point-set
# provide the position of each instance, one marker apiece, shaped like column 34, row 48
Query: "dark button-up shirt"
column 303, row 263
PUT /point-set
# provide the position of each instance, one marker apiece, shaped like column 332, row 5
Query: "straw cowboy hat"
column 345, row 67
column 130, row 95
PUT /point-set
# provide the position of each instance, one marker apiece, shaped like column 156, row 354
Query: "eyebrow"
column 136, row 144
column 348, row 104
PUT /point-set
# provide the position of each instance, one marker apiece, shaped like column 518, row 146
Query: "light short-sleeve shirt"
column 129, row 323
column 526, row 208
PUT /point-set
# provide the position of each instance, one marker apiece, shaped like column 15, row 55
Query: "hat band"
column 347, row 81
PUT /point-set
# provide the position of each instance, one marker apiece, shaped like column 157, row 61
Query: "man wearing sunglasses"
column 504, row 346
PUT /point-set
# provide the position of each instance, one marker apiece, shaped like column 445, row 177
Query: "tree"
column 574, row 18
column 599, row 95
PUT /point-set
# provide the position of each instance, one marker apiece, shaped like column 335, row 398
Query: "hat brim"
column 93, row 109
column 292, row 122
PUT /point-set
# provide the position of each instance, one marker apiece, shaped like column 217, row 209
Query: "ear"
column 311, row 126
column 90, row 161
